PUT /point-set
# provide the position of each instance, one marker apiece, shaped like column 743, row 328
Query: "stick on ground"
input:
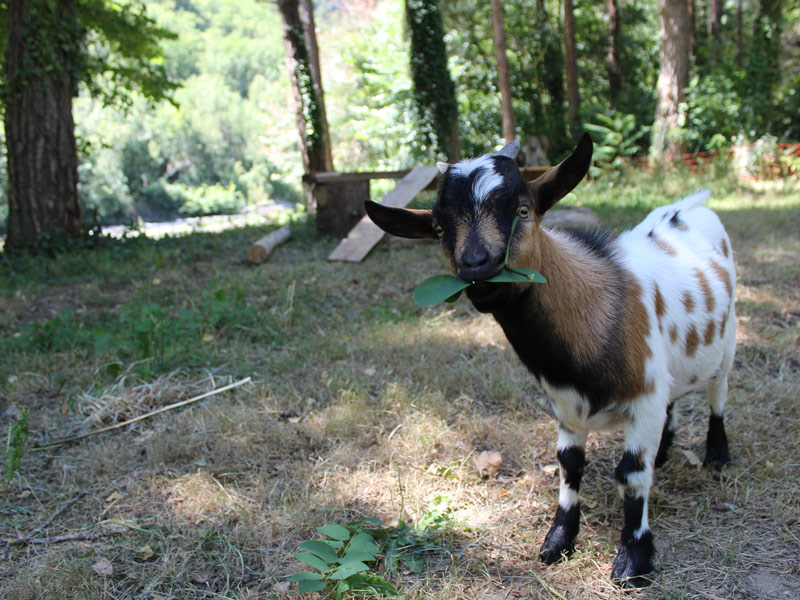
column 144, row 416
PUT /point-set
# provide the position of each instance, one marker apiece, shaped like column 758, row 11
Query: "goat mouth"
column 481, row 293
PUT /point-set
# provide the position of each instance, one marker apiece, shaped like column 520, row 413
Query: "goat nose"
column 474, row 258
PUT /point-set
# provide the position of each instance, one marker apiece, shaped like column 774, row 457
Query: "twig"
column 53, row 517
column 73, row 537
column 144, row 416
column 547, row 586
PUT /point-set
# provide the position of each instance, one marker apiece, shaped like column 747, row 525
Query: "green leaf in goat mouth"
column 446, row 288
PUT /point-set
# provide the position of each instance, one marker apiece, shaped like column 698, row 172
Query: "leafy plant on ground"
column 340, row 563
column 15, row 446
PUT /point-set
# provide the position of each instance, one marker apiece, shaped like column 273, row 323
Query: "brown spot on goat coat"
column 660, row 308
column 688, row 302
column 725, row 249
column 708, row 295
column 673, row 333
column 692, row 341
column 708, row 334
column 664, row 246
column 723, row 275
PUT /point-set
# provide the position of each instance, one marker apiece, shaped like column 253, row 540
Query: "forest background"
column 227, row 139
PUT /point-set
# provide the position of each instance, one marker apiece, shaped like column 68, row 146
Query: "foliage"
column 15, row 445
column 340, row 562
column 615, row 139
column 434, row 92
column 112, row 46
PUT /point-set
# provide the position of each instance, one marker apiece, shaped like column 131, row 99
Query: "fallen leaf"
column 113, row 497
column 102, row 567
column 692, row 458
column 550, row 469
column 146, row 552
column 488, row 463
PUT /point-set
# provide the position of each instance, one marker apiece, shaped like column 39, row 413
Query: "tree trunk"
column 714, row 29
column 434, row 91
column 613, row 65
column 40, row 134
column 571, row 64
column 310, row 35
column 312, row 125
column 672, row 80
column 509, row 126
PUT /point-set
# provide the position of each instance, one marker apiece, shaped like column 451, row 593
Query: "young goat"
column 624, row 325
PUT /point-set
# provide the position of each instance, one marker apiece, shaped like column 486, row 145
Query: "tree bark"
column 571, row 64
column 40, row 134
column 672, row 80
column 503, row 81
column 310, row 35
column 312, row 125
column 714, row 29
column 613, row 65
column 434, row 90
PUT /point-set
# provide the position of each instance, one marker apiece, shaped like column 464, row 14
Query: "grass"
column 364, row 405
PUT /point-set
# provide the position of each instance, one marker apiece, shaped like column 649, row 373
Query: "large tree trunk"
column 672, row 80
column 613, row 65
column 571, row 64
column 40, row 136
column 714, row 29
column 301, row 44
column 509, row 126
column 434, row 91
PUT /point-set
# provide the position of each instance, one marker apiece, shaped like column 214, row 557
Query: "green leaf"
column 372, row 583
column 321, row 549
column 360, row 555
column 363, row 542
column 413, row 564
column 305, row 576
column 313, row 561
column 348, row 569
column 517, row 275
column 304, row 587
column 334, row 531
column 438, row 288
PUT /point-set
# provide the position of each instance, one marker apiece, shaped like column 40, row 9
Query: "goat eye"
column 522, row 212
column 438, row 230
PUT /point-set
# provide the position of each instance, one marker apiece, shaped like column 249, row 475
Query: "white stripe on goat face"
column 485, row 180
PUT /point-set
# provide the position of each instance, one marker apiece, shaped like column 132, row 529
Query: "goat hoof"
column 634, row 563
column 717, row 460
column 557, row 545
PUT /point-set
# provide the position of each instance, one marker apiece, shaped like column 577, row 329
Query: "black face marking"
column 456, row 207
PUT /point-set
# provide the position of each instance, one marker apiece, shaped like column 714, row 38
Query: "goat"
column 623, row 327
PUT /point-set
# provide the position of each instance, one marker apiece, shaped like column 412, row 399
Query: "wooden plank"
column 365, row 235
column 337, row 177
column 528, row 174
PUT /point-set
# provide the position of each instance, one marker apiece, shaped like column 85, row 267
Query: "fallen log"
column 259, row 251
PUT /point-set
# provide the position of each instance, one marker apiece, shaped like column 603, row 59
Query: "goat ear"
column 511, row 149
column 402, row 222
column 559, row 181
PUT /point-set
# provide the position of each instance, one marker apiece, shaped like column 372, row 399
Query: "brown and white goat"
column 623, row 327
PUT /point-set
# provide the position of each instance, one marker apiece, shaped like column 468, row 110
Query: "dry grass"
column 368, row 406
